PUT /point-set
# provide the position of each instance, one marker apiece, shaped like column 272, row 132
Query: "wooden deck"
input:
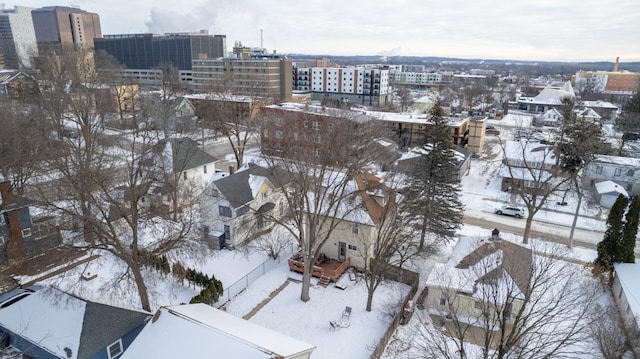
column 331, row 268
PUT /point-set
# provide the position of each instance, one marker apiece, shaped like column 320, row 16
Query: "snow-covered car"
column 511, row 211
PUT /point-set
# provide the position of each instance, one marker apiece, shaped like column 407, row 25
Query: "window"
column 306, row 124
column 224, row 211
column 214, row 192
column 477, row 305
column 508, row 308
column 2, row 222
column 281, row 212
column 279, row 121
column 115, row 349
column 26, row 232
column 241, row 211
column 352, row 247
column 630, row 173
column 278, row 147
column 355, row 228
column 316, row 125
column 265, row 133
column 265, row 194
column 316, row 138
column 205, row 169
column 618, row 172
column 316, row 152
column 184, row 175
column 279, row 134
column 443, row 298
column 295, row 136
column 331, row 127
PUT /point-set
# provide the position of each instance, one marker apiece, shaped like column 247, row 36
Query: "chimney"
column 231, row 170
column 615, row 67
column 6, row 191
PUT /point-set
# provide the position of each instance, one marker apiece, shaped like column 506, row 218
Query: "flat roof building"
column 58, row 27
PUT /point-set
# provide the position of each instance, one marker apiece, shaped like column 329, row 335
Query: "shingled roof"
column 186, row 153
column 236, row 188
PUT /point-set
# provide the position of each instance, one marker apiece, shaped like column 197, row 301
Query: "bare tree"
column 319, row 155
column 510, row 303
column 390, row 238
column 607, row 331
column 101, row 189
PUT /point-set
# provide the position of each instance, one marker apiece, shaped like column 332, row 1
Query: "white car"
column 511, row 211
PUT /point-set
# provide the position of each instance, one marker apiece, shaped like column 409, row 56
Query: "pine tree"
column 609, row 249
column 432, row 192
column 630, row 231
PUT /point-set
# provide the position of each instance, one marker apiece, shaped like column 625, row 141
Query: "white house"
column 625, row 171
column 201, row 331
column 238, row 206
column 626, row 292
column 183, row 158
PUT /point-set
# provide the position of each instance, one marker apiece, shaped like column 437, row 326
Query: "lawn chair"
column 346, row 314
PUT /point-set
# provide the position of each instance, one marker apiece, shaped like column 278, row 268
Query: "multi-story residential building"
column 413, row 68
column 408, row 129
column 255, row 77
column 418, row 79
column 144, row 54
column 17, row 37
column 309, row 132
column 59, row 27
column 355, row 85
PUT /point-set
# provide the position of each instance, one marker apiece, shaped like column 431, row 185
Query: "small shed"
column 607, row 192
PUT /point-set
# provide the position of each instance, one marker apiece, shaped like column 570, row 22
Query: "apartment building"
column 409, row 129
column 59, row 27
column 355, row 85
column 17, row 37
column 255, row 77
column 418, row 79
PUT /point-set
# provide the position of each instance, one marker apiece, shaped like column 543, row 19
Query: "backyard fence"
column 241, row 284
column 403, row 276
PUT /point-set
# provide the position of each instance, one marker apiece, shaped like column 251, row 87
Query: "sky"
column 541, row 30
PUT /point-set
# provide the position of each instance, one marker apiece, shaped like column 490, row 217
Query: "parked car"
column 490, row 127
column 511, row 211
column 492, row 131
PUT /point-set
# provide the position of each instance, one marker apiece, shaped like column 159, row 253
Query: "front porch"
column 323, row 267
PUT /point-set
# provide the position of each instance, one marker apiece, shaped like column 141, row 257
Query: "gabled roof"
column 240, row 187
column 610, row 187
column 554, row 96
column 201, row 331
column 185, row 153
column 66, row 325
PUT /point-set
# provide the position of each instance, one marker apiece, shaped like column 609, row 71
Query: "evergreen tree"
column 609, row 249
column 630, row 231
column 432, row 191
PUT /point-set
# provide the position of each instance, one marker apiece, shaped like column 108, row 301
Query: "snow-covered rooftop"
column 629, row 276
column 199, row 330
column 610, row 187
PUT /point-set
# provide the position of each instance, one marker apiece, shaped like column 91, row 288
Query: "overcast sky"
column 564, row 30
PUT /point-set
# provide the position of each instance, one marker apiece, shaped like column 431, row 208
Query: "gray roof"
column 186, row 153
column 104, row 324
column 236, row 189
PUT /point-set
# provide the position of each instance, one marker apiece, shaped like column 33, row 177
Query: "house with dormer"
column 482, row 277
column 361, row 216
column 48, row 323
column 240, row 206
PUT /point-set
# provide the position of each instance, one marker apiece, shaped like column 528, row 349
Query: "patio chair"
column 346, row 314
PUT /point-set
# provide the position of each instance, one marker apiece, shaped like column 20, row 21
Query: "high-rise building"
column 17, row 37
column 59, row 27
column 143, row 55
column 255, row 77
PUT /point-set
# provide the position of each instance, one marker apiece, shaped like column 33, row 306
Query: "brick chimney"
column 14, row 246
column 6, row 191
